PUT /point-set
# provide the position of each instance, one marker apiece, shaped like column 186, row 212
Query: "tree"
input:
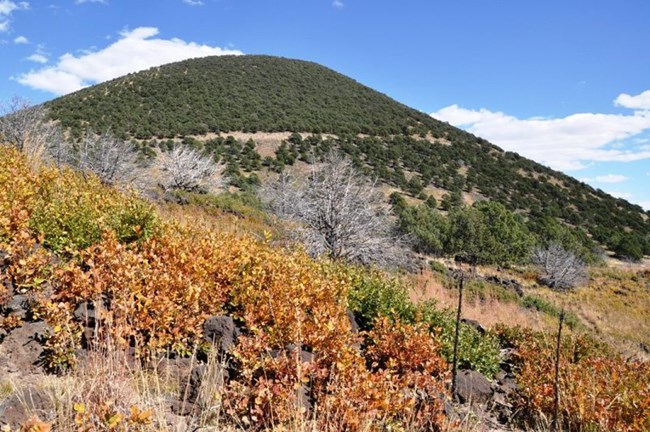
column 427, row 225
column 337, row 213
column 111, row 159
column 560, row 268
column 488, row 233
column 27, row 128
column 186, row 169
column 629, row 247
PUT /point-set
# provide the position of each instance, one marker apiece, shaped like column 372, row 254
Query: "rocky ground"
column 480, row 404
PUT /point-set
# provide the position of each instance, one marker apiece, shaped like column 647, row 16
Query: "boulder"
column 24, row 404
column 304, row 355
column 22, row 348
column 472, row 387
column 221, row 331
column 88, row 313
column 354, row 326
column 204, row 380
column 17, row 306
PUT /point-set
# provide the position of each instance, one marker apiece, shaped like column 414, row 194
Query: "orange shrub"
column 155, row 294
column 598, row 391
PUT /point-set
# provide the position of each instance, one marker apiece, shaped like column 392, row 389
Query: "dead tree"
column 112, row 160
column 336, row 212
column 184, row 168
column 560, row 268
column 28, row 129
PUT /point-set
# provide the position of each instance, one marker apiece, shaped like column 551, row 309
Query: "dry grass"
column 615, row 304
column 489, row 311
column 109, row 385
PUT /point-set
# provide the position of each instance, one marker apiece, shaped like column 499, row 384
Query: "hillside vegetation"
column 404, row 148
column 68, row 242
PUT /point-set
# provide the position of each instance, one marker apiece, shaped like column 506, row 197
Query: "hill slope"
column 232, row 93
column 405, row 148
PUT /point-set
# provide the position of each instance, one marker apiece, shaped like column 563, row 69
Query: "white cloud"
column 645, row 205
column 38, row 58
column 134, row 51
column 7, row 7
column 193, row 2
column 338, row 4
column 611, row 178
column 21, row 40
column 640, row 101
column 566, row 143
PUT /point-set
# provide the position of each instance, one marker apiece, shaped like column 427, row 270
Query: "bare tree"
column 186, row 169
column 112, row 160
column 27, row 128
column 561, row 269
column 337, row 212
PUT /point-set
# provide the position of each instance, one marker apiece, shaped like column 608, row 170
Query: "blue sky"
column 566, row 83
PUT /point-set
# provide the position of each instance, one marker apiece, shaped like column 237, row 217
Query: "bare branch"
column 561, row 269
column 26, row 127
column 112, row 160
column 186, row 169
column 337, row 212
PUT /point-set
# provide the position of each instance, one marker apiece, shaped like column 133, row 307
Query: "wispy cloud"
column 338, row 4
column 21, row 40
column 193, row 2
column 134, row 51
column 609, row 178
column 7, row 7
column 566, row 143
column 38, row 58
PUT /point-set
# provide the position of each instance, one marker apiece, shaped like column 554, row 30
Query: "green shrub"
column 73, row 212
column 374, row 295
column 541, row 305
column 482, row 291
column 476, row 351
column 246, row 203
column 438, row 267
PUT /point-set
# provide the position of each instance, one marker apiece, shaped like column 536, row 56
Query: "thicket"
column 599, row 391
column 155, row 282
column 154, row 291
column 485, row 233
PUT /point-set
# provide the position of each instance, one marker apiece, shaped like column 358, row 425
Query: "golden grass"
column 615, row 304
column 491, row 311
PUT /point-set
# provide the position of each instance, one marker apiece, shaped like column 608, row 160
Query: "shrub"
column 599, row 391
column 74, row 211
column 373, row 296
column 544, row 306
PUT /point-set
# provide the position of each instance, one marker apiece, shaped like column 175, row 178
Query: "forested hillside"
column 401, row 146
